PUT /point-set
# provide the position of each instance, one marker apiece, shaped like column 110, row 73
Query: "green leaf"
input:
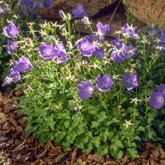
column 88, row 148
column 51, row 124
column 96, row 141
column 117, row 143
column 104, row 135
column 141, row 129
column 102, row 150
column 66, row 123
column 119, row 154
column 137, row 138
column 66, row 146
column 132, row 152
column 94, row 124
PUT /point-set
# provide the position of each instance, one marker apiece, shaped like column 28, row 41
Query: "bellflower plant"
column 156, row 100
column 23, row 64
column 104, row 83
column 129, row 51
column 61, row 59
column 104, row 97
column 60, row 53
column 48, row 3
column 118, row 53
column 12, row 47
column 85, row 47
column 102, row 29
column 30, row 4
column 62, row 14
column 30, row 7
column 46, row 51
column 3, row 9
column 85, row 89
column 162, row 36
column 14, row 76
column 59, row 49
column 79, row 12
column 92, row 37
column 161, row 88
column 128, row 31
column 152, row 31
column 121, row 51
column 161, row 41
column 99, row 53
column 129, row 80
column 10, row 31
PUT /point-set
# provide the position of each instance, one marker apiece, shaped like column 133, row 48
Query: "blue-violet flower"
column 10, row 30
column 47, row 51
column 104, row 83
column 3, row 9
column 85, row 89
column 11, row 47
column 48, row 3
column 79, row 12
column 129, row 80
column 14, row 76
column 156, row 100
column 161, row 88
column 102, row 29
column 99, row 53
column 23, row 64
column 85, row 47
column 60, row 53
column 129, row 51
column 128, row 31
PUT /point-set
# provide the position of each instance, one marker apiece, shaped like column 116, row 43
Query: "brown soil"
column 18, row 149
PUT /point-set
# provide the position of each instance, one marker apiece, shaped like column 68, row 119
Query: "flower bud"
column 62, row 14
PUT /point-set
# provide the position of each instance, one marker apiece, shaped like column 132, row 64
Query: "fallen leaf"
column 1, row 115
column 3, row 138
column 110, row 163
column 162, row 161
column 74, row 153
column 20, row 146
column 14, row 122
column 43, row 153
column 6, row 100
column 18, row 93
column 61, row 158
column 96, row 158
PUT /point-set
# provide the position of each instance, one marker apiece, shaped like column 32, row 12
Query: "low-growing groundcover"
column 86, row 91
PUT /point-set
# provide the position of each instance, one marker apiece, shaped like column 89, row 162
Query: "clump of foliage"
column 87, row 91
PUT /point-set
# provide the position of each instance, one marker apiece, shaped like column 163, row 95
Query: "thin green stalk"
column 69, row 27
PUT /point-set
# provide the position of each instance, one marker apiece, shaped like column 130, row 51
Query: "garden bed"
column 65, row 68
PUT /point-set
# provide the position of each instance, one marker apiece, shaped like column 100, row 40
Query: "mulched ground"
column 18, row 149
